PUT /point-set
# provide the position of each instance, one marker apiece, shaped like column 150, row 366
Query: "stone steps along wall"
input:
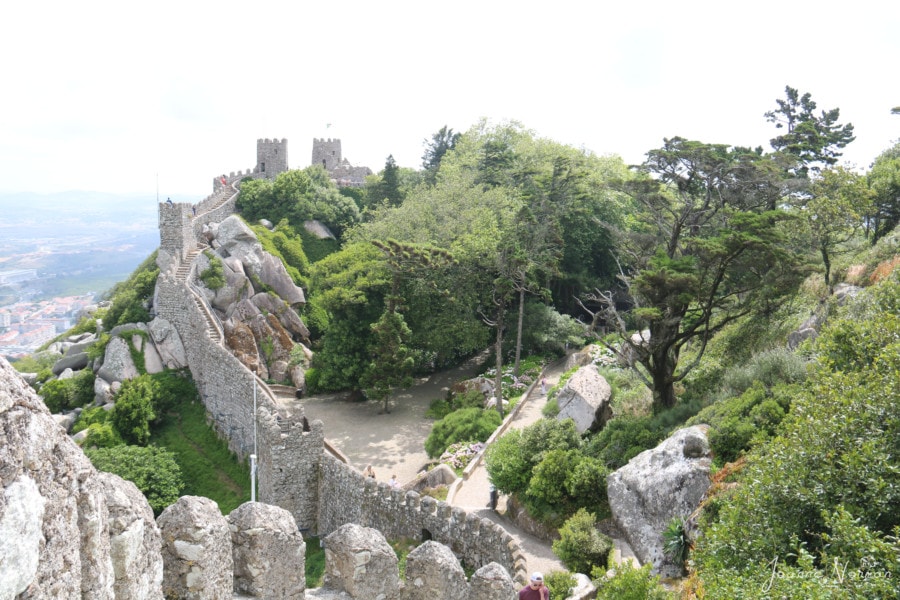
column 354, row 498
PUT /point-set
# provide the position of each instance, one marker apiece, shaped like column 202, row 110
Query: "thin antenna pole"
column 253, row 456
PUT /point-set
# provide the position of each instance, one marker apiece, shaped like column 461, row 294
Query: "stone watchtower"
column 326, row 153
column 271, row 157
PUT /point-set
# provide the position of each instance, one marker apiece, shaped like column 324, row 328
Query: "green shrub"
column 560, row 583
column 730, row 438
column 511, row 459
column 133, row 412
column 630, row 583
column 580, row 545
column 770, row 368
column 66, row 394
column 586, row 486
column 171, row 388
column 835, row 451
column 622, row 439
column 153, row 470
column 57, row 394
column 466, row 425
column 548, row 478
column 676, row 544
column 130, row 298
column 213, row 276
column 89, row 416
column 102, row 435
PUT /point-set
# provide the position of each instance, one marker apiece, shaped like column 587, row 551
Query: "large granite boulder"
column 433, row 573
column 657, row 486
column 76, row 362
column 287, row 316
column 237, row 286
column 491, row 582
column 59, row 517
column 359, row 561
column 240, row 340
column 585, row 398
column 117, row 362
column 269, row 552
column 236, row 239
column 168, row 343
column 135, row 541
column 196, row 551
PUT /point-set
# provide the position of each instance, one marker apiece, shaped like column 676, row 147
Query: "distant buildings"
column 25, row 326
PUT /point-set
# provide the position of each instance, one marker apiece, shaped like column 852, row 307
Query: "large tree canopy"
column 814, row 140
column 705, row 253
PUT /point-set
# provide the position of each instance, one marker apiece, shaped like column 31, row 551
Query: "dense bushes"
column 826, row 490
column 465, row 425
column 545, row 466
column 65, row 394
column 580, row 546
column 153, row 470
column 130, row 298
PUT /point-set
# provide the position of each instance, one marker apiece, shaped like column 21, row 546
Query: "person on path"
column 393, row 482
column 543, row 385
column 535, row 590
column 369, row 472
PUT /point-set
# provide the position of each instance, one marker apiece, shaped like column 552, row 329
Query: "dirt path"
column 393, row 443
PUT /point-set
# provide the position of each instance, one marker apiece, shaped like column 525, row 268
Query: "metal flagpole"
column 253, row 456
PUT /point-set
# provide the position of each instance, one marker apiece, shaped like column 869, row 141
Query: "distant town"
column 25, row 326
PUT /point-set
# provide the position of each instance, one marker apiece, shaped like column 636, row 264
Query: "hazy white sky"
column 115, row 96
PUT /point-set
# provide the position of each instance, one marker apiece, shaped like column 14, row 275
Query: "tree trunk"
column 519, row 330
column 827, row 261
column 662, row 368
column 498, row 353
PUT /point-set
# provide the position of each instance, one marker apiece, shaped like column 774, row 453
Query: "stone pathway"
column 394, row 443
column 474, row 492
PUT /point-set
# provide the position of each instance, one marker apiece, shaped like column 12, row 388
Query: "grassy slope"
column 208, row 467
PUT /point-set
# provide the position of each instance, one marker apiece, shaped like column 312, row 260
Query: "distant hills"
column 77, row 241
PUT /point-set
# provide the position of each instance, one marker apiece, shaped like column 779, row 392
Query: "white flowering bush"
column 460, row 454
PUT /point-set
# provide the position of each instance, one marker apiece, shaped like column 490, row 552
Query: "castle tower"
column 271, row 157
column 326, row 153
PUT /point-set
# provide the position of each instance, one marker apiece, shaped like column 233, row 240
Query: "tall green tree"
column 440, row 143
column 815, row 140
column 703, row 253
column 392, row 362
column 387, row 188
column 835, row 213
column 884, row 181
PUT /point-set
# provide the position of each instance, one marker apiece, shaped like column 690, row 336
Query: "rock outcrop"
column 196, row 552
column 66, row 531
column 585, row 398
column 269, row 552
column 656, row 486
column 491, row 582
column 360, row 562
column 433, row 573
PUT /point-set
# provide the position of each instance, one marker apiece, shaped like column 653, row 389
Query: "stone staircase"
column 213, row 330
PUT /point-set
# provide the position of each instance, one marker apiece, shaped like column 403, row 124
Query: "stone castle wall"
column 175, row 234
column 354, row 498
column 295, row 472
column 326, row 152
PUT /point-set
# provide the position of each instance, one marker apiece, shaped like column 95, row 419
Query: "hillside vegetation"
column 715, row 253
